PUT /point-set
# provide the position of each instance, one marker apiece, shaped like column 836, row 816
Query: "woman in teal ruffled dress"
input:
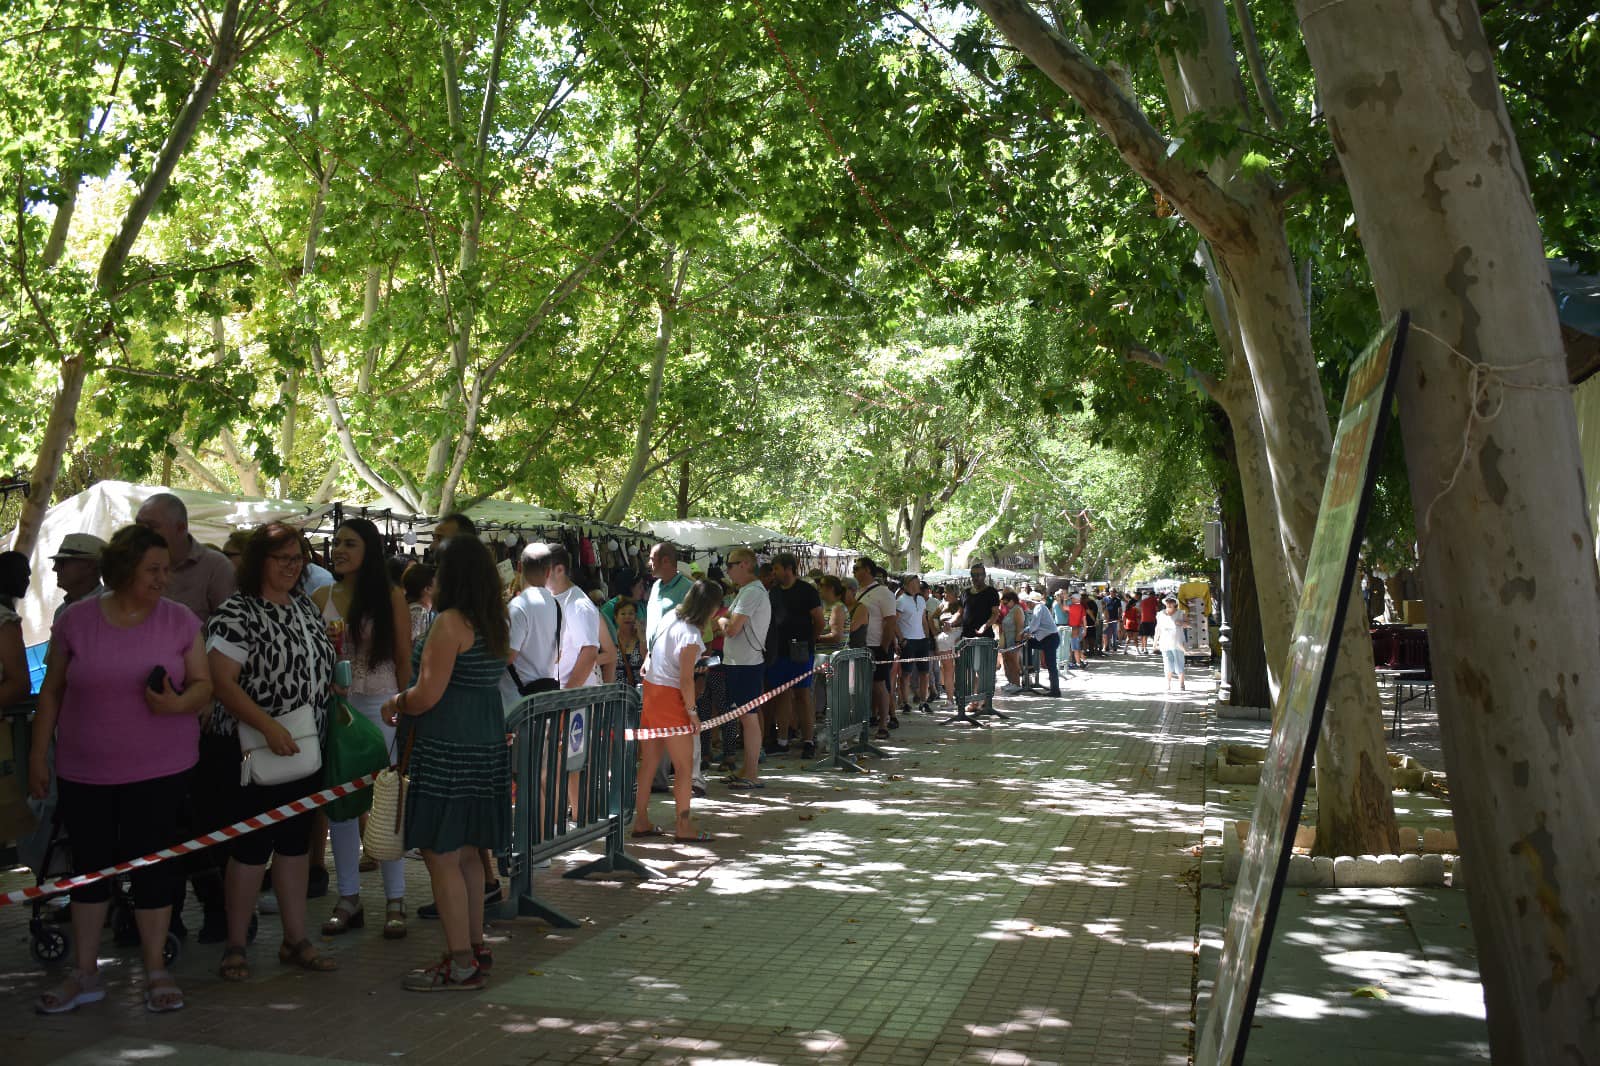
column 459, row 796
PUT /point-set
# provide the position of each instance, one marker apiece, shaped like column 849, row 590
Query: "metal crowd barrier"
column 849, row 721
column 975, row 665
column 1029, row 674
column 573, row 768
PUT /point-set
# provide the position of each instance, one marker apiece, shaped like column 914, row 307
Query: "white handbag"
column 383, row 839
column 262, row 766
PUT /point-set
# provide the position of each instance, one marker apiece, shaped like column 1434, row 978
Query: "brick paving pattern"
column 1013, row 895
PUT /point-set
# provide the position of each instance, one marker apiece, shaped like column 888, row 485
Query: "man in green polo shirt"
column 667, row 592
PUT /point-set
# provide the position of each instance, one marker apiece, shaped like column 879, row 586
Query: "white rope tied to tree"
column 1485, row 385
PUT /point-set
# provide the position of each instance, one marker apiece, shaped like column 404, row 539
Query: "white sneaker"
column 267, row 904
column 1011, row 690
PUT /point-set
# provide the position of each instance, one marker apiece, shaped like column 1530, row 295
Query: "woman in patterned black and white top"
column 270, row 655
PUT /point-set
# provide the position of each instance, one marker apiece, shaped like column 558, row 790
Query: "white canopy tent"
column 723, row 535
column 716, row 534
column 998, row 576
column 107, row 506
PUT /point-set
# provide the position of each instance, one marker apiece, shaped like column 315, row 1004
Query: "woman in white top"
column 1169, row 640
column 669, row 703
column 369, row 623
column 948, row 633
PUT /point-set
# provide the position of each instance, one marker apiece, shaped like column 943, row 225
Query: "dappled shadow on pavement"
column 1019, row 894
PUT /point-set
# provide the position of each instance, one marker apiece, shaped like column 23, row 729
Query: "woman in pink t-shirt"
column 125, row 683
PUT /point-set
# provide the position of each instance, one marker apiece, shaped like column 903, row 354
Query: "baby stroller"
column 49, row 941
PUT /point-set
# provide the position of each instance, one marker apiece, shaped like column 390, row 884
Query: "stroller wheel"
column 172, row 948
column 47, row 943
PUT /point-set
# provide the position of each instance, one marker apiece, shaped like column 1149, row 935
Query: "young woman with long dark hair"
column 459, row 799
column 370, row 625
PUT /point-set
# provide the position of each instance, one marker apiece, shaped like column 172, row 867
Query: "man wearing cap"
column 201, row 577
column 1046, row 639
column 77, row 567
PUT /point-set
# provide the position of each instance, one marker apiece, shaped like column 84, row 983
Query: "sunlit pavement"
column 1024, row 893
column 1356, row 975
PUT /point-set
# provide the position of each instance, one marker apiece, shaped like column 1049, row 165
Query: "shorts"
column 106, row 824
column 882, row 664
column 1077, row 641
column 291, row 838
column 945, row 642
column 1173, row 658
column 784, row 669
column 915, row 649
column 1147, row 629
column 743, row 685
column 663, row 707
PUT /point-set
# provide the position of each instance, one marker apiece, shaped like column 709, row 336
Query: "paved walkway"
column 1020, row 894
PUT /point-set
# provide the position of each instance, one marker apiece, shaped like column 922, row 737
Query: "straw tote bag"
column 384, row 837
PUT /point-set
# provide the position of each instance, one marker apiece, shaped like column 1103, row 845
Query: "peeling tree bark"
column 1243, row 224
column 1507, row 554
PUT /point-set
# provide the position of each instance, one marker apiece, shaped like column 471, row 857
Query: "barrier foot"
column 961, row 717
column 841, row 762
column 611, row 864
column 531, row 906
column 866, row 748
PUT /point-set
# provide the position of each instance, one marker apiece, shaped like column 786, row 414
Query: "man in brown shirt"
column 201, row 577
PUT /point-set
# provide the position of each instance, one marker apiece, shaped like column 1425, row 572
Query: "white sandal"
column 85, row 989
column 161, row 992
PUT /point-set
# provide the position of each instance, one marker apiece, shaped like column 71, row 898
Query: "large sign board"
column 1298, row 716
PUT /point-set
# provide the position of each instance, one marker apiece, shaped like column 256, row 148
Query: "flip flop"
column 699, row 838
column 653, row 831
column 744, row 784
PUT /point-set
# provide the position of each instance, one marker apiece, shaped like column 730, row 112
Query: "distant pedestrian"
column 1149, row 607
column 1170, row 641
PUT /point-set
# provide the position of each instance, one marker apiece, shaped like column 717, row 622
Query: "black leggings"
column 112, row 823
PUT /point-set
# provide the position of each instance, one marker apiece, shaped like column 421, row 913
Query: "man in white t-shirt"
column 878, row 601
column 911, row 612
column 580, row 622
column 535, row 624
column 744, row 641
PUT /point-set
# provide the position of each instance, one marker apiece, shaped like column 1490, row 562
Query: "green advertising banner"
column 1298, row 716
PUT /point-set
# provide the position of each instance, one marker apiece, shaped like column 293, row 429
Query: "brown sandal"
column 306, row 957
column 394, row 920
column 347, row 914
column 235, row 964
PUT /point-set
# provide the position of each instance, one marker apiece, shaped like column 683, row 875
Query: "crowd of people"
column 187, row 687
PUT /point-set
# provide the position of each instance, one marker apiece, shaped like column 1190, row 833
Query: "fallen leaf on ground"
column 1370, row 992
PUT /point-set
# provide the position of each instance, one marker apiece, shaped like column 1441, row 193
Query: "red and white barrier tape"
column 722, row 719
column 738, row 712
column 199, row 843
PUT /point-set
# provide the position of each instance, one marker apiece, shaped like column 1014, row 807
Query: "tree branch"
column 1257, row 64
column 1218, row 216
column 1176, row 368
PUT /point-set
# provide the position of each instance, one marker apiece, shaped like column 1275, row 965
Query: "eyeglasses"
column 288, row 560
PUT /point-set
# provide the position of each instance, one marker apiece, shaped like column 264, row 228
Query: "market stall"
column 107, row 506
